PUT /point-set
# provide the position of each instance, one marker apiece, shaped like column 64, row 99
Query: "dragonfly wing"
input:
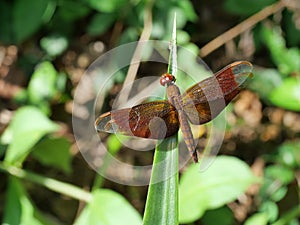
column 206, row 99
column 155, row 120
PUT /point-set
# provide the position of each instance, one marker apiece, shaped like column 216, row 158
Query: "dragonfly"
column 197, row 105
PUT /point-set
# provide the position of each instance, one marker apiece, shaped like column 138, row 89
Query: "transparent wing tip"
column 104, row 123
column 242, row 71
column 242, row 67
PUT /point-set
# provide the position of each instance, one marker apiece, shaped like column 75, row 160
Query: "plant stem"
column 162, row 200
column 285, row 219
column 52, row 184
column 172, row 68
column 241, row 27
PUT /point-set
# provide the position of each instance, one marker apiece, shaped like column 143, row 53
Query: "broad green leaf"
column 18, row 208
column 28, row 16
column 246, row 7
column 107, row 6
column 287, row 95
column 162, row 199
column 27, row 127
column 12, row 206
column 225, row 180
column 100, row 23
column 220, row 216
column 257, row 219
column 42, row 85
column 108, row 208
column 54, row 152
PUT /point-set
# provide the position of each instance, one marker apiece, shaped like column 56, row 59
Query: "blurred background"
column 45, row 48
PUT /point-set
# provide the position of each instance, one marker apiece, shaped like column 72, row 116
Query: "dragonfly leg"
column 195, row 156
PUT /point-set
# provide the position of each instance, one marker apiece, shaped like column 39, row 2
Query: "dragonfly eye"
column 167, row 79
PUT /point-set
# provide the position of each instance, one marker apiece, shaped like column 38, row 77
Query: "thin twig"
column 240, row 28
column 136, row 58
column 151, row 88
column 52, row 184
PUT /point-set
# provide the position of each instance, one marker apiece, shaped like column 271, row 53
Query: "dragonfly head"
column 167, row 79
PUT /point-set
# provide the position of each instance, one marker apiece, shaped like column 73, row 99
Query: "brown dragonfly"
column 199, row 104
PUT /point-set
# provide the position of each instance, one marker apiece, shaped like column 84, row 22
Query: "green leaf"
column 287, row 60
column 220, row 216
column 188, row 9
column 271, row 209
column 54, row 45
column 107, row 6
column 292, row 32
column 72, row 10
column 42, row 85
column 108, row 208
column 162, row 200
column 6, row 34
column 114, row 143
column 129, row 35
column 100, row 23
column 277, row 177
column 290, row 217
column 27, row 127
column 289, row 154
column 18, row 208
column 283, row 174
column 2, row 149
column 12, row 209
column 258, row 218
column 28, row 16
column 287, row 95
column 265, row 81
column 183, row 37
column 61, row 82
column 225, row 180
column 273, row 189
column 54, row 152
column 246, row 7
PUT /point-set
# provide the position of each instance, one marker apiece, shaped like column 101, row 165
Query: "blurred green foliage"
column 108, row 207
column 44, row 30
column 224, row 181
column 246, row 7
column 28, row 126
